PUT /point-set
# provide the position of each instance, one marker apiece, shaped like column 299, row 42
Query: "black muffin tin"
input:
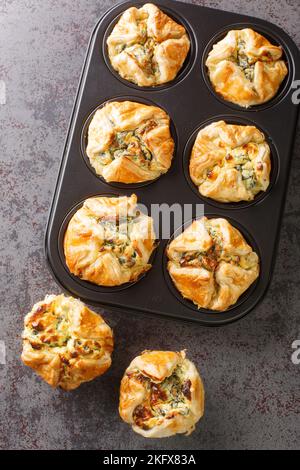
column 191, row 103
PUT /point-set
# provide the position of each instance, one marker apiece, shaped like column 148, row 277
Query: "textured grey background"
column 252, row 387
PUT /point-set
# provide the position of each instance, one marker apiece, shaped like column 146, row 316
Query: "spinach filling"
column 198, row 259
column 163, row 398
column 240, row 160
column 142, row 51
column 49, row 329
column 128, row 144
column 143, row 54
column 243, row 164
column 52, row 330
column 244, row 61
column 116, row 239
column 211, row 258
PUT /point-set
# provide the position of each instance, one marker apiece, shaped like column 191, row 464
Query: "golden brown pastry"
column 211, row 264
column 245, row 68
column 65, row 342
column 130, row 142
column 161, row 394
column 230, row 163
column 147, row 47
column 109, row 241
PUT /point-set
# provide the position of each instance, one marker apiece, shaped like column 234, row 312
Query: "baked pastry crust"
column 130, row 142
column 211, row 264
column 161, row 394
column 109, row 242
column 65, row 342
column 147, row 47
column 230, row 163
column 245, row 68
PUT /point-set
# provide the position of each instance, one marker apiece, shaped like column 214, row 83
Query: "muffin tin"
column 191, row 103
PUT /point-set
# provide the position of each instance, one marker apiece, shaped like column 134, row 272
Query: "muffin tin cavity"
column 82, row 283
column 275, row 40
column 210, row 316
column 187, row 65
column 259, row 198
column 84, row 140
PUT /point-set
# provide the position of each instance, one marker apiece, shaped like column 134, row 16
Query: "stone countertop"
column 252, row 386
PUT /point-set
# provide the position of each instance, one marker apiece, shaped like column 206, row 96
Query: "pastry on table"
column 130, row 142
column 230, row 163
column 161, row 394
column 109, row 242
column 245, row 68
column 211, row 264
column 147, row 47
column 65, row 342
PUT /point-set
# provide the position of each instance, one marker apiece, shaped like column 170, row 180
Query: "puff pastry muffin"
column 109, row 241
column 211, row 264
column 147, row 47
column 130, row 142
column 245, row 68
column 161, row 394
column 65, row 342
column 230, row 163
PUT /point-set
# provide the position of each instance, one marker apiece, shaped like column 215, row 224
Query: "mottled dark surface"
column 252, row 386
